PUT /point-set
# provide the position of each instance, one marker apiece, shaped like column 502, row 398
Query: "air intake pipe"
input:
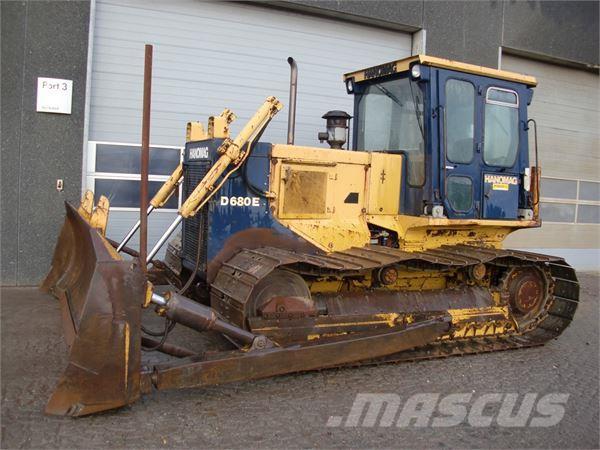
column 292, row 112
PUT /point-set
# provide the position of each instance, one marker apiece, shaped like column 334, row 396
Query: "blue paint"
column 226, row 219
column 500, row 200
column 415, row 200
column 249, row 209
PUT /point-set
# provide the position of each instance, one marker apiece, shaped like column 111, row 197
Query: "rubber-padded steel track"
column 233, row 286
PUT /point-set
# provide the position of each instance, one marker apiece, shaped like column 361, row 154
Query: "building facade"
column 212, row 55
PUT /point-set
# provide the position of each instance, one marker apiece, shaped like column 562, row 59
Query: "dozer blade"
column 100, row 296
column 227, row 367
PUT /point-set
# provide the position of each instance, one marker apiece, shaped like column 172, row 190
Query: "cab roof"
column 403, row 65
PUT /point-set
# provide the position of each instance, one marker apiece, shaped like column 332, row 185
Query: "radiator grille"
column 193, row 174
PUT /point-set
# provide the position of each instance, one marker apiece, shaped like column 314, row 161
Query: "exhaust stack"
column 293, row 91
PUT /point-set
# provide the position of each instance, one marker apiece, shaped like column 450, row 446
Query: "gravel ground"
column 292, row 411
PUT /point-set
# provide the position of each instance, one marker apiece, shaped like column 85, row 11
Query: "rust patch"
column 441, row 232
column 253, row 238
column 101, row 302
column 305, row 192
column 288, row 308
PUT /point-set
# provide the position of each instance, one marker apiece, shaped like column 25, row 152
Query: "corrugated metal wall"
column 208, row 56
column 566, row 106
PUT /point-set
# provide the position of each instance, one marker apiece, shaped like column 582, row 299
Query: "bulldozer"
column 307, row 258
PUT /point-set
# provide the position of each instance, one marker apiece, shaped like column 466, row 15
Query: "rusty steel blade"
column 227, row 367
column 100, row 296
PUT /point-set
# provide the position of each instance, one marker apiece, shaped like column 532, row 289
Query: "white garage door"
column 566, row 108
column 208, row 56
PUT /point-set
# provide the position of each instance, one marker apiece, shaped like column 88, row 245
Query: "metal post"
column 145, row 155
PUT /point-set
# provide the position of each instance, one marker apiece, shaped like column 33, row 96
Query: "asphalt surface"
column 292, row 411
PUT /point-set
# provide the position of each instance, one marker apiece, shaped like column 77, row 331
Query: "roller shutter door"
column 208, row 56
column 566, row 108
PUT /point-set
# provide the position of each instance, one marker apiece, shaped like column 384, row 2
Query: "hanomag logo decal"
column 500, row 182
column 380, row 71
column 198, row 153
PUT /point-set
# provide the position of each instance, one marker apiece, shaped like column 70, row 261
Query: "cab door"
column 460, row 145
column 502, row 140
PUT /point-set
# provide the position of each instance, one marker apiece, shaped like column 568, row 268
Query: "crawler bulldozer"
column 307, row 258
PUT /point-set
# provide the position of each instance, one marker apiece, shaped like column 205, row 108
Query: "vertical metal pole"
column 145, row 156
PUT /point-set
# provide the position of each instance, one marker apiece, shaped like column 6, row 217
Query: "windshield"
column 390, row 117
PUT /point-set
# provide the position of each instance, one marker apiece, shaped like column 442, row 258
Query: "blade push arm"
column 231, row 153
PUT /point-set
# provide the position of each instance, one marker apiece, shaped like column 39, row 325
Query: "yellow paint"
column 407, row 280
column 403, row 65
column 168, row 188
column 148, row 297
column 218, row 126
column 127, row 338
column 317, row 155
column 322, row 179
column 332, row 234
column 500, row 187
column 312, row 337
column 86, row 206
column 194, row 131
column 384, row 319
column 384, row 184
column 99, row 219
column 461, row 315
column 390, row 318
column 325, row 286
column 305, row 192
column 420, row 284
column 476, row 329
column 422, row 233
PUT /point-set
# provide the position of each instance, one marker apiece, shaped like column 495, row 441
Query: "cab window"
column 459, row 191
column 460, row 121
column 390, row 117
column 501, row 129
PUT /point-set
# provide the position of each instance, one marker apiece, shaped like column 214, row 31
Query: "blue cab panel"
column 500, row 196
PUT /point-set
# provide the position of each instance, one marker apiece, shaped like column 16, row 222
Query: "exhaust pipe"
column 293, row 89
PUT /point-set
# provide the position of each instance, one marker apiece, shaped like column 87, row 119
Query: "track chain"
column 234, row 283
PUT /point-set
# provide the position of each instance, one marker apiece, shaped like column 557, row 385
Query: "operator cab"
column 462, row 129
